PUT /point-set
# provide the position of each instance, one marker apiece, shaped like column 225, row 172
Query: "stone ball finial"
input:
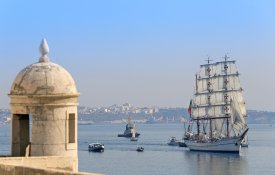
column 44, row 50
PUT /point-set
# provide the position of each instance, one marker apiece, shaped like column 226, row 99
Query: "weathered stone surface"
column 45, row 95
column 43, row 78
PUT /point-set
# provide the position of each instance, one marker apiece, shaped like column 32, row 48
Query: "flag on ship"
column 190, row 107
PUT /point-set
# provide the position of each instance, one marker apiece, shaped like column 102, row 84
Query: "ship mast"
column 198, row 122
column 209, row 95
column 196, row 84
column 225, row 94
column 209, row 91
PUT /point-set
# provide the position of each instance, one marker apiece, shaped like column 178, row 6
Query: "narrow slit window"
column 71, row 128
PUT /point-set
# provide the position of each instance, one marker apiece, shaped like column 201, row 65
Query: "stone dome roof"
column 44, row 78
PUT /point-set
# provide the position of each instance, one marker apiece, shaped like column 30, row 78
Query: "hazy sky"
column 144, row 52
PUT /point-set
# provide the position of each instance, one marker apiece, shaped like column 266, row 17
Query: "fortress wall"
column 53, row 165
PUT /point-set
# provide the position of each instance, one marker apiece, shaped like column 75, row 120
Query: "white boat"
column 173, row 141
column 217, row 109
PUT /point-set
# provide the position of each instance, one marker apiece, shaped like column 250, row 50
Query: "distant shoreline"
column 119, row 114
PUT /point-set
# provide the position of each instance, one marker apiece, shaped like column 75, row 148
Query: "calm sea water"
column 120, row 157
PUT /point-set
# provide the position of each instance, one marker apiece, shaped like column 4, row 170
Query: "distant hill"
column 160, row 115
column 261, row 117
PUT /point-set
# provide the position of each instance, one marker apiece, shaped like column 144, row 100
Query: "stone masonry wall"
column 53, row 165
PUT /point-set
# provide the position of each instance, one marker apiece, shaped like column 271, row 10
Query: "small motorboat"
column 182, row 144
column 140, row 149
column 96, row 147
column 173, row 142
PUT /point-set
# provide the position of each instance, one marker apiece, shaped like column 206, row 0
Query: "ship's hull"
column 229, row 144
column 173, row 143
column 97, row 150
column 224, row 145
column 128, row 135
column 100, row 149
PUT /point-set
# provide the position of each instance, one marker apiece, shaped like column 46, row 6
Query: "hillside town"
column 119, row 114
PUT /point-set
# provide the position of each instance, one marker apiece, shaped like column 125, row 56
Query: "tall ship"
column 130, row 130
column 217, row 109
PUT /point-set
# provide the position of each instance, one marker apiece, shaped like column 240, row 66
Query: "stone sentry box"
column 43, row 101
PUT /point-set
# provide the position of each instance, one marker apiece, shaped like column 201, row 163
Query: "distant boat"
column 173, row 141
column 96, row 147
column 182, row 144
column 217, row 109
column 140, row 149
column 130, row 130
